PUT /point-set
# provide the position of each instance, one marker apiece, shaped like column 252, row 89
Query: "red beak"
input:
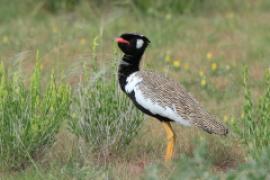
column 121, row 40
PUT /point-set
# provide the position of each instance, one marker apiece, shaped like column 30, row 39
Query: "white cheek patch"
column 139, row 43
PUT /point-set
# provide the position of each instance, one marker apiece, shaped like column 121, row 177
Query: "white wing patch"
column 132, row 81
column 139, row 43
column 155, row 108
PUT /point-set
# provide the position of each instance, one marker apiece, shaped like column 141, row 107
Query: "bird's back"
column 171, row 96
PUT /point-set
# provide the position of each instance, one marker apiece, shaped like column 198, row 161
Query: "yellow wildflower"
column 209, row 55
column 201, row 138
column 186, row 66
column 167, row 58
column 82, row 41
column 5, row 40
column 242, row 115
column 203, row 82
column 176, row 63
column 55, row 29
column 201, row 73
column 230, row 15
column 214, row 66
column 225, row 118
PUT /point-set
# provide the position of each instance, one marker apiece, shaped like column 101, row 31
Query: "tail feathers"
column 212, row 126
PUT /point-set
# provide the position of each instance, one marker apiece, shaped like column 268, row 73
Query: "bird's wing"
column 167, row 98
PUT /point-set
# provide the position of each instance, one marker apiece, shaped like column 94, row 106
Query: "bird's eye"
column 139, row 43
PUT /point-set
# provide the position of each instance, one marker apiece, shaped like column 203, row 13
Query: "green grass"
column 29, row 117
column 253, row 128
column 204, row 49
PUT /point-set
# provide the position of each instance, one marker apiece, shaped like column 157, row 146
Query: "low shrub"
column 104, row 117
column 29, row 117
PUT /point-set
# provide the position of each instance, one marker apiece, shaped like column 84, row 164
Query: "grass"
column 253, row 128
column 210, row 48
column 201, row 168
column 29, row 117
column 102, row 116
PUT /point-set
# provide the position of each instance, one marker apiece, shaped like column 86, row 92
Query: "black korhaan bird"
column 158, row 96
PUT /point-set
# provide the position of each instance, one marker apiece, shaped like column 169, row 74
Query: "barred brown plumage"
column 169, row 93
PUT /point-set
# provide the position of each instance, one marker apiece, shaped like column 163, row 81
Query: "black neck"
column 128, row 65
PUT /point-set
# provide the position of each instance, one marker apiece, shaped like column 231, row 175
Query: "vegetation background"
column 62, row 115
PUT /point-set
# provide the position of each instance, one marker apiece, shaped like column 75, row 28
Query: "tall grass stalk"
column 254, row 128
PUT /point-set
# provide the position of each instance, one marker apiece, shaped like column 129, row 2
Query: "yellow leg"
column 170, row 140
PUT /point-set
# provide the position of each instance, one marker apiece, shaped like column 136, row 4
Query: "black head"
column 132, row 44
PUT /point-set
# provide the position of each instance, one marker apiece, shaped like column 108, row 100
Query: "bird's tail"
column 211, row 125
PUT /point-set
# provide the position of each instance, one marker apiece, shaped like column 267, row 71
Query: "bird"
column 159, row 96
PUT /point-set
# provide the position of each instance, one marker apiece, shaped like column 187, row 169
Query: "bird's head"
column 132, row 44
